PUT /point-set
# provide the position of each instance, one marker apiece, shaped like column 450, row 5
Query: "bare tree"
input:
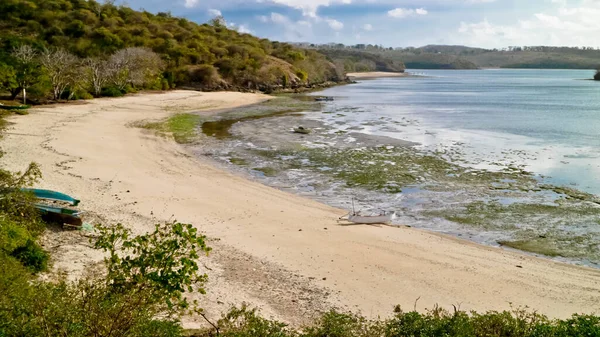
column 147, row 65
column 62, row 68
column 135, row 66
column 97, row 74
column 27, row 68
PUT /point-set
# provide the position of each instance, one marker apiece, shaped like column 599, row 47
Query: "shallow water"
column 546, row 120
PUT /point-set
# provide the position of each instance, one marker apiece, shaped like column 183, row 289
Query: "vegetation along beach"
column 162, row 177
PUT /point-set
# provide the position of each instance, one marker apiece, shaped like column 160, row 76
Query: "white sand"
column 92, row 152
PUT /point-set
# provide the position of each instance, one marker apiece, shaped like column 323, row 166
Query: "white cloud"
column 406, row 12
column 280, row 19
column 561, row 26
column 367, row 27
column 309, row 7
column 213, row 12
column 334, row 24
column 190, row 3
column 244, row 29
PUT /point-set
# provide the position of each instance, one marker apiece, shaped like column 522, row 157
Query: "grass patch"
column 182, row 127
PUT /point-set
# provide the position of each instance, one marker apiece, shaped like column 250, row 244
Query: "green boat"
column 60, row 215
column 45, row 209
column 56, row 214
column 51, row 195
column 14, row 107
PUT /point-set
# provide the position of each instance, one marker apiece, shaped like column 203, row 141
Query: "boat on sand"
column 381, row 218
column 14, row 107
column 52, row 213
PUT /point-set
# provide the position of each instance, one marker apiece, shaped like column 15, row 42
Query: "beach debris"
column 302, row 130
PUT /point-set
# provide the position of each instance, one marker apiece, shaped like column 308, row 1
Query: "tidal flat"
column 353, row 153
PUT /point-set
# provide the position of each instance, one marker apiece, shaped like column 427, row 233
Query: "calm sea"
column 546, row 120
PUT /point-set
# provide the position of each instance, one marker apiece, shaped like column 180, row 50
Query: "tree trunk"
column 14, row 93
column 24, row 96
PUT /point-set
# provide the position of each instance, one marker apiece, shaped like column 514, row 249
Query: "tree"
column 62, row 68
column 218, row 21
column 135, row 66
column 27, row 68
column 8, row 78
column 97, row 74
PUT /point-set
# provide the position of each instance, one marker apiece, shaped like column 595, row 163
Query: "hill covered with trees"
column 373, row 57
column 543, row 57
column 357, row 61
column 42, row 39
column 462, row 57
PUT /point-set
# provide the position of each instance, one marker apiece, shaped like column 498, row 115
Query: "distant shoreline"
column 375, row 74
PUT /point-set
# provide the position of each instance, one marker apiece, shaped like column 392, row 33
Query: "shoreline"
column 129, row 175
column 375, row 74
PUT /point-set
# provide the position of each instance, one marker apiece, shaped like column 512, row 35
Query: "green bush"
column 31, row 255
column 141, row 295
column 111, row 92
column 243, row 322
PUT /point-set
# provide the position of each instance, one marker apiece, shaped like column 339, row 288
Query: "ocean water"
column 547, row 121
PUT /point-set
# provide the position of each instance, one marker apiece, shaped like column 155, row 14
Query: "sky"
column 401, row 23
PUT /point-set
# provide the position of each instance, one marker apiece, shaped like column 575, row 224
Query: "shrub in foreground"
column 142, row 294
column 244, row 322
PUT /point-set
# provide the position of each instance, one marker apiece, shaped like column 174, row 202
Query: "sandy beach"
column 280, row 252
column 374, row 74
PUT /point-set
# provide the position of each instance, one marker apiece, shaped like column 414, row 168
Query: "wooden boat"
column 384, row 218
column 60, row 214
column 324, row 99
column 51, row 195
column 56, row 214
column 302, row 130
column 14, row 107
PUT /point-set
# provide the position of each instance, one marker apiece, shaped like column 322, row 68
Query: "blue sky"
column 402, row 23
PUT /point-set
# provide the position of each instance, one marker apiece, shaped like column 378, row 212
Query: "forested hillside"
column 461, row 57
column 542, row 57
column 94, row 37
column 358, row 61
